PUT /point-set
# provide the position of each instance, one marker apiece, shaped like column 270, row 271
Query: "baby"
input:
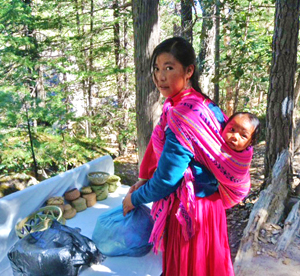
column 241, row 130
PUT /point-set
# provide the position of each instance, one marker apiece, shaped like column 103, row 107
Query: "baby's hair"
column 253, row 120
column 182, row 51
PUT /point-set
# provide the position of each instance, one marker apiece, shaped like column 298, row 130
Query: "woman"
column 190, row 221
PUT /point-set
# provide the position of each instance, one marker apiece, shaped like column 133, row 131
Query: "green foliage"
column 246, row 59
column 57, row 74
column 54, row 153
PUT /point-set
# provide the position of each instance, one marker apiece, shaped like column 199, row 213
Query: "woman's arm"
column 173, row 162
column 167, row 177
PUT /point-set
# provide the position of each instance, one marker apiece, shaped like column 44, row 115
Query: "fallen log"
column 268, row 209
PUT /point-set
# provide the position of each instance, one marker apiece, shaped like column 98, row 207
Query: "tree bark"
column 280, row 101
column 31, row 141
column 146, row 37
column 176, row 27
column 186, row 20
column 217, row 55
column 117, row 48
column 206, row 55
column 90, row 68
column 297, row 90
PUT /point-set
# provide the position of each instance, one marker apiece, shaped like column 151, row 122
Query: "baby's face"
column 238, row 132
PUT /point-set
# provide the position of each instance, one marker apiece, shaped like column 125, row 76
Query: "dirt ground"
column 266, row 262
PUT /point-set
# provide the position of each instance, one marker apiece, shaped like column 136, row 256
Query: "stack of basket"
column 74, row 197
column 113, row 182
column 56, row 201
column 88, row 194
column 98, row 184
column 101, row 183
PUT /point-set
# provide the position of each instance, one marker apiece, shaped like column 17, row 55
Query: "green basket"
column 98, row 178
column 39, row 220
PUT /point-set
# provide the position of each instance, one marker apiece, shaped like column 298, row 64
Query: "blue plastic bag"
column 116, row 235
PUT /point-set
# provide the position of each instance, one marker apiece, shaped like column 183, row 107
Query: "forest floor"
column 266, row 262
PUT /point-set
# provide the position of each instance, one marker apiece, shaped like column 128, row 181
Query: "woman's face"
column 169, row 75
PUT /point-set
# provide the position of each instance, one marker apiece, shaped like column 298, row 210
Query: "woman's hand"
column 127, row 204
column 137, row 185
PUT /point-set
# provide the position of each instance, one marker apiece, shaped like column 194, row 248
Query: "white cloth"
column 19, row 205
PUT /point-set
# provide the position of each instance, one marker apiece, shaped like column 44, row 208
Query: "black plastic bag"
column 59, row 250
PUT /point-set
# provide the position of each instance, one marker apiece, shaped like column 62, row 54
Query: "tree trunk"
column 280, row 102
column 117, row 47
column 296, row 121
column 238, row 84
column 236, row 96
column 176, row 27
column 120, row 94
column 229, row 97
column 90, row 69
column 297, row 90
column 217, row 55
column 31, row 141
column 186, row 20
column 126, row 91
column 146, row 37
column 206, row 55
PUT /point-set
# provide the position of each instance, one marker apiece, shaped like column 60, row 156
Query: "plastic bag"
column 116, row 235
column 59, row 250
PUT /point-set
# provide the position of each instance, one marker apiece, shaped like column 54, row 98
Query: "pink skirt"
column 207, row 253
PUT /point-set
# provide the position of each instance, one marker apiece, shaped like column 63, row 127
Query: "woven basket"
column 98, row 178
column 72, row 194
column 39, row 221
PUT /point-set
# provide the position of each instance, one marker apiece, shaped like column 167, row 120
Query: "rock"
column 286, row 261
column 272, row 254
column 17, row 182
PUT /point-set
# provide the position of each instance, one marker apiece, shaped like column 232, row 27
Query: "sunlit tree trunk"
column 85, row 60
column 90, row 69
column 206, row 55
column 186, row 20
column 217, row 54
column 297, row 90
column 238, row 83
column 32, row 51
column 146, row 37
column 117, row 46
column 126, row 91
column 229, row 99
column 177, row 27
column 117, row 50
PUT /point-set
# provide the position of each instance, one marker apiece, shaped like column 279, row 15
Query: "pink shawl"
column 197, row 129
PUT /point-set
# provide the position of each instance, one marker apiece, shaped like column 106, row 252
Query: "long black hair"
column 181, row 50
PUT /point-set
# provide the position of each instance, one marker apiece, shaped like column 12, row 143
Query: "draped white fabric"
column 16, row 206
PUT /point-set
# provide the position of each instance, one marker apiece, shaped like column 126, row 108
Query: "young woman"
column 189, row 204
